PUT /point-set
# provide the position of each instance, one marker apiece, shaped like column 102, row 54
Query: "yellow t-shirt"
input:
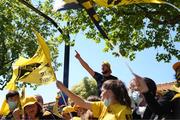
column 113, row 112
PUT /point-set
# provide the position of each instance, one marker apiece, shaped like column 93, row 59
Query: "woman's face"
column 31, row 111
column 105, row 94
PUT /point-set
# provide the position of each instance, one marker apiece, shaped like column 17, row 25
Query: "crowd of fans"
column 114, row 100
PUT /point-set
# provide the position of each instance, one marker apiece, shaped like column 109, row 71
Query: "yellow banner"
column 36, row 70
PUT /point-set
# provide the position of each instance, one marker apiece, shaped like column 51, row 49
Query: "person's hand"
column 139, row 84
column 77, row 55
column 17, row 114
column 59, row 84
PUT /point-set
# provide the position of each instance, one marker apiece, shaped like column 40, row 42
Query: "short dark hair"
column 12, row 94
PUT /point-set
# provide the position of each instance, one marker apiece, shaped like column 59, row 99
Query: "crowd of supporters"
column 114, row 100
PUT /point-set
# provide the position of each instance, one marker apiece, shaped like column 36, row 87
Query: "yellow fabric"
column 76, row 118
column 176, row 96
column 36, row 70
column 4, row 108
column 68, row 109
column 87, row 4
column 113, row 112
column 55, row 109
column 28, row 101
column 177, row 89
column 96, row 17
column 104, row 3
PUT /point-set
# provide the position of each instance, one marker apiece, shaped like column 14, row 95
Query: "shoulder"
column 97, row 104
column 97, row 108
column 113, row 77
column 50, row 115
column 97, row 75
column 169, row 94
column 123, row 112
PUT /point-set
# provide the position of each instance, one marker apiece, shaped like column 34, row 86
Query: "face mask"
column 12, row 105
column 136, row 97
column 107, row 102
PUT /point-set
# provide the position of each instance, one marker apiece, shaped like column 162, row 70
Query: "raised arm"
column 84, row 64
column 159, row 107
column 77, row 100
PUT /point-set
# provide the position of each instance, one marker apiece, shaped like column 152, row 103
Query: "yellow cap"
column 68, row 109
column 29, row 101
column 106, row 63
column 176, row 65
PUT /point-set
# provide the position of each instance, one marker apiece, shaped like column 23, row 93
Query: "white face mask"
column 135, row 95
column 107, row 102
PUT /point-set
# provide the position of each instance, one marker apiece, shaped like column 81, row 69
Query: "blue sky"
column 145, row 65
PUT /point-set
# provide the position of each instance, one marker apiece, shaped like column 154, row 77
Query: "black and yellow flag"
column 36, row 70
column 88, row 6
column 79, row 4
column 110, row 3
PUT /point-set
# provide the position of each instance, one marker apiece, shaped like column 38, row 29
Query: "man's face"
column 105, row 69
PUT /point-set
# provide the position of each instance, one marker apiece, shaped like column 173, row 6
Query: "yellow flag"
column 110, row 3
column 4, row 108
column 36, row 70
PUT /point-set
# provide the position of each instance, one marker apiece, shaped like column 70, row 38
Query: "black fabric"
column 49, row 116
column 164, row 107
column 8, row 117
column 135, row 115
column 100, row 79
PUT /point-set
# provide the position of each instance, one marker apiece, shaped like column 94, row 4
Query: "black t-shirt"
column 100, row 79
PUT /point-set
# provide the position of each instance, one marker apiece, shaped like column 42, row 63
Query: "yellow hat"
column 29, row 101
column 68, row 109
column 176, row 65
column 106, row 63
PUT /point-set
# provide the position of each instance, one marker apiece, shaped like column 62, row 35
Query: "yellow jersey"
column 112, row 112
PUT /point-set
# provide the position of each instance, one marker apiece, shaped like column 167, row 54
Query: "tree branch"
column 42, row 14
column 169, row 19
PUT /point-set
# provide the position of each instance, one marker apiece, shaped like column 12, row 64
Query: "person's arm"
column 78, row 101
column 17, row 114
column 155, row 106
column 55, row 108
column 84, row 64
column 161, row 106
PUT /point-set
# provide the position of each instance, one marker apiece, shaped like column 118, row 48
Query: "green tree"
column 85, row 87
column 17, row 38
column 131, row 29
